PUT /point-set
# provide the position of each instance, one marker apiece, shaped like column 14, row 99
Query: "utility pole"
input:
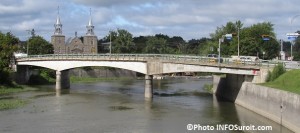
column 27, row 46
column 238, row 41
column 110, row 43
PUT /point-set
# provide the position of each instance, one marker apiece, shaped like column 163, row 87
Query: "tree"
column 177, row 44
column 251, row 43
column 122, row 41
column 140, row 43
column 38, row 45
column 199, row 46
column 296, row 48
column 156, row 45
column 8, row 45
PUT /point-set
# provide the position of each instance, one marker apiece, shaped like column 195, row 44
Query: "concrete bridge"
column 148, row 64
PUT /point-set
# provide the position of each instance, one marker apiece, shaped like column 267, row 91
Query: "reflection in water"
column 119, row 106
column 59, row 92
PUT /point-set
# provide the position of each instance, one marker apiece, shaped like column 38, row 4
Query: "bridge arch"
column 140, row 67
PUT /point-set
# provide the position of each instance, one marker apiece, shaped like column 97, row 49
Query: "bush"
column 277, row 71
column 5, row 78
column 208, row 88
column 268, row 79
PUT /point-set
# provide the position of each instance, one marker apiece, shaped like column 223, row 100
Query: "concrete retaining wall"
column 268, row 101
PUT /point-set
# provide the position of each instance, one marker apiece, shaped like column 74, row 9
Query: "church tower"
column 58, row 39
column 90, row 40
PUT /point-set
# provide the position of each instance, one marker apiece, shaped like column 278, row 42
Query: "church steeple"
column 90, row 26
column 58, row 25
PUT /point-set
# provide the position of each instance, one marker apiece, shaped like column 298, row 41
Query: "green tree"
column 296, row 49
column 8, row 45
column 122, row 41
column 140, row 43
column 177, row 44
column 38, row 45
column 156, row 45
column 251, row 43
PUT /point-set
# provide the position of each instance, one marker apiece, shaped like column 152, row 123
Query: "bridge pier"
column 62, row 80
column 22, row 74
column 227, row 88
column 148, row 86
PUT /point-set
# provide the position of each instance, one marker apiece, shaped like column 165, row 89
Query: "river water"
column 118, row 106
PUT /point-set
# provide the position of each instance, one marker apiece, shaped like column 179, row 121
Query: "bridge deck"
column 179, row 59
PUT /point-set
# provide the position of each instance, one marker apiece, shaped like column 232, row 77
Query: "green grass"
column 11, row 103
column 7, row 90
column 289, row 81
column 7, row 101
column 208, row 88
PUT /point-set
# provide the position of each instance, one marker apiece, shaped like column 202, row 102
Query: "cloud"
column 189, row 18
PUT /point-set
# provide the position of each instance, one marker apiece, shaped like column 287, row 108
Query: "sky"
column 190, row 19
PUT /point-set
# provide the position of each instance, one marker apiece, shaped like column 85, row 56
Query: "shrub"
column 268, row 79
column 277, row 71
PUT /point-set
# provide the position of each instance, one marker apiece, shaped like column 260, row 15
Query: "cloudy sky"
column 186, row 18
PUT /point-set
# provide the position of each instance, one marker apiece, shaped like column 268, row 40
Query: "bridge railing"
column 149, row 57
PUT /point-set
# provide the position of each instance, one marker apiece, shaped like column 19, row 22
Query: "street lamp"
column 267, row 38
column 27, row 49
column 292, row 37
column 226, row 36
column 110, row 43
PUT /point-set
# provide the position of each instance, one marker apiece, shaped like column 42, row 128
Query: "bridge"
column 148, row 64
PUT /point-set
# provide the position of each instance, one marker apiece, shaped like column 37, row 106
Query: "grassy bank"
column 9, row 102
column 289, row 81
column 4, row 90
column 89, row 79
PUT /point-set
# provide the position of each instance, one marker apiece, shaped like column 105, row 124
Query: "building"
column 87, row 45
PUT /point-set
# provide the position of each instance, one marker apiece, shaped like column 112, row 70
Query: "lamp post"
column 292, row 37
column 219, row 49
column 280, row 41
column 110, row 42
column 228, row 37
column 238, row 36
column 27, row 46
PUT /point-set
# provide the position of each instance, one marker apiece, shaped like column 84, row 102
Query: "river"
column 118, row 106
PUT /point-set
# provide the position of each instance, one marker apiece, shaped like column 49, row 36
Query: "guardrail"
column 153, row 57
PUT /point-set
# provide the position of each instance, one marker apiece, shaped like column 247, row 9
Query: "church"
column 74, row 46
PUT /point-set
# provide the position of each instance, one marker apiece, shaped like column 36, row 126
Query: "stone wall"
column 101, row 72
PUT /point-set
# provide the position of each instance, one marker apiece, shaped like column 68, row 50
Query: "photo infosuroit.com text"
column 227, row 127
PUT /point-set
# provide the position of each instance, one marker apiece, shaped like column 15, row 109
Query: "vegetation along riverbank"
column 8, row 100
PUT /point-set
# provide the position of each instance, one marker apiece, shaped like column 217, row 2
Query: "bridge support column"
column 62, row 80
column 228, row 88
column 22, row 74
column 58, row 80
column 148, row 86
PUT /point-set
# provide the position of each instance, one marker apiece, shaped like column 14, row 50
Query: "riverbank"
column 280, row 106
column 8, row 101
column 289, row 81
